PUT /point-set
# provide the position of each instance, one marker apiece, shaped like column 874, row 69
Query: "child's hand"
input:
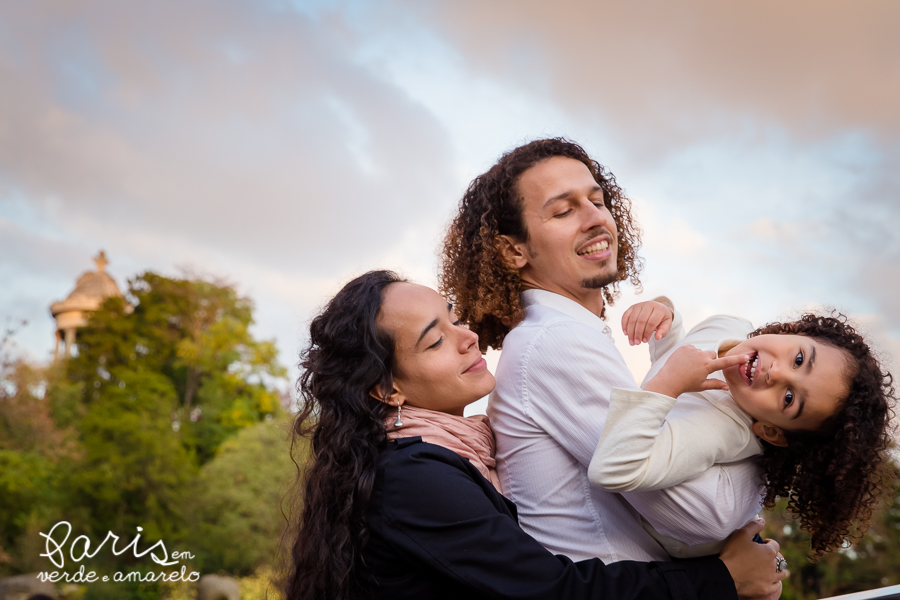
column 687, row 371
column 642, row 319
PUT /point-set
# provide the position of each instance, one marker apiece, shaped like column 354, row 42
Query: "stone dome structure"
column 91, row 289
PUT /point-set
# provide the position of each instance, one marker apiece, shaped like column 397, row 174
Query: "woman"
column 400, row 498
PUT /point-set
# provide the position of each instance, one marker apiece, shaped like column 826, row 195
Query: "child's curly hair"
column 834, row 477
column 474, row 276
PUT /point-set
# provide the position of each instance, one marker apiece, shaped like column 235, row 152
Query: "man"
column 530, row 262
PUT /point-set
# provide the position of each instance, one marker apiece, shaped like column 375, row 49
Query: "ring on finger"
column 780, row 564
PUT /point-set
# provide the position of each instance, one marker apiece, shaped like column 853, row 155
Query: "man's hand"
column 642, row 319
column 688, row 369
column 752, row 565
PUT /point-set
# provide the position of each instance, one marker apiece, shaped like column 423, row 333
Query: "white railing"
column 885, row 593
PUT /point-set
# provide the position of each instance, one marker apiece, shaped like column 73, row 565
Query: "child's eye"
column 788, row 398
column 798, row 360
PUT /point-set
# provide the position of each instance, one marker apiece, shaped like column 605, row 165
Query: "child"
column 808, row 396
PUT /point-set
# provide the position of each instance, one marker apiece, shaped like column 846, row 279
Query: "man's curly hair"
column 473, row 275
column 834, row 477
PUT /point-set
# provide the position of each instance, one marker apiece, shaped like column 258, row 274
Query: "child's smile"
column 790, row 382
column 750, row 369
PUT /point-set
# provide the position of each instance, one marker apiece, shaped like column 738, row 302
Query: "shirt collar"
column 568, row 307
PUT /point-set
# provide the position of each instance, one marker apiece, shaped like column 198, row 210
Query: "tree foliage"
column 34, row 452
column 135, row 467
column 872, row 563
column 127, row 433
column 196, row 334
column 240, row 496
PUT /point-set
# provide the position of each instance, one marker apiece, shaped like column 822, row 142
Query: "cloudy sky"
column 288, row 146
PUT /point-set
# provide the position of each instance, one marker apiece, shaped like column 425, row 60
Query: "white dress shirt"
column 554, row 379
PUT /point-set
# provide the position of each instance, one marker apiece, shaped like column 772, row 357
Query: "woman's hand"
column 688, row 369
column 642, row 319
column 752, row 565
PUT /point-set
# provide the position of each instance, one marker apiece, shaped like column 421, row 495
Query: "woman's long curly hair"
column 835, row 476
column 473, row 274
column 347, row 355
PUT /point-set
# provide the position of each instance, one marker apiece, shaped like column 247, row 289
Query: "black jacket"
column 438, row 529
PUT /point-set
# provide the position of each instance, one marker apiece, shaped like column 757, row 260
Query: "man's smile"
column 594, row 248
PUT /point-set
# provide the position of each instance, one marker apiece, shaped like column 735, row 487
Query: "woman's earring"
column 398, row 422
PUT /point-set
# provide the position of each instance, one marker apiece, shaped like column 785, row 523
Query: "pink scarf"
column 470, row 437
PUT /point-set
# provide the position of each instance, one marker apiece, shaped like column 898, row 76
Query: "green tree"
column 872, row 563
column 196, row 334
column 165, row 378
column 238, row 496
column 136, row 468
column 34, row 452
column 161, row 420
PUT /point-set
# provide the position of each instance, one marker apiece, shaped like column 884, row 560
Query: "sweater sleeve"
column 640, row 449
column 438, row 513
column 709, row 506
column 441, row 518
